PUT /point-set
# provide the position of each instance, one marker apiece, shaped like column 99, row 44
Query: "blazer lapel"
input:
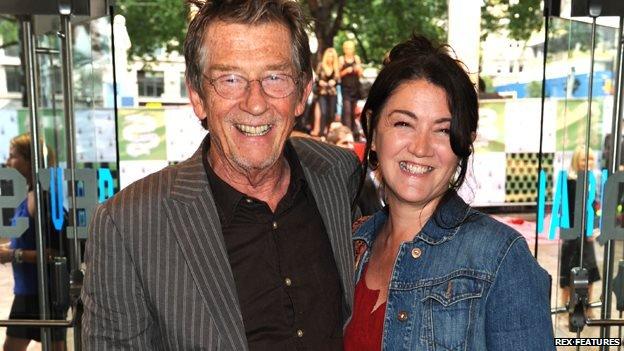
column 195, row 222
column 332, row 200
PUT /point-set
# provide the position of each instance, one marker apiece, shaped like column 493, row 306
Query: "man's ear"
column 196, row 101
column 303, row 99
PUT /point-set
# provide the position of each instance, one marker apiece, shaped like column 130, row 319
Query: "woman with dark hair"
column 431, row 272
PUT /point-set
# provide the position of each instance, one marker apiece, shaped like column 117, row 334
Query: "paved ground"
column 6, row 299
column 548, row 257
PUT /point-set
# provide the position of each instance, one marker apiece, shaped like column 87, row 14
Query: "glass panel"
column 567, row 89
column 95, row 144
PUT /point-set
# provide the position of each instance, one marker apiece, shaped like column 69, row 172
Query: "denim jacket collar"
column 441, row 227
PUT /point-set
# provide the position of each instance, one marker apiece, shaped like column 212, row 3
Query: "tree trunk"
column 326, row 27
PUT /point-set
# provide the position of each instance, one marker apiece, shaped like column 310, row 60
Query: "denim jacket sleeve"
column 518, row 306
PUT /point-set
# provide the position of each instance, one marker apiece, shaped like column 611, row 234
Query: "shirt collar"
column 227, row 198
column 441, row 227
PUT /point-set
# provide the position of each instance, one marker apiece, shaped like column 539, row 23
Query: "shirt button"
column 416, row 252
column 249, row 200
column 288, row 282
column 300, row 333
column 402, row 316
column 274, row 225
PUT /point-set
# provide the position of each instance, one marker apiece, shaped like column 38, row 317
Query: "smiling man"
column 246, row 245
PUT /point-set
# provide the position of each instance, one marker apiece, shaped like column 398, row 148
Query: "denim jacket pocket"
column 449, row 309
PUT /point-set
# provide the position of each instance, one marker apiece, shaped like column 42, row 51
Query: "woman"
column 431, row 272
column 571, row 249
column 350, row 73
column 21, row 252
column 328, row 79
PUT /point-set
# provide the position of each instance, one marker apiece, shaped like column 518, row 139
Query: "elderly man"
column 246, row 245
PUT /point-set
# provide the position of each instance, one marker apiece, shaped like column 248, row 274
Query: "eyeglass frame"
column 296, row 82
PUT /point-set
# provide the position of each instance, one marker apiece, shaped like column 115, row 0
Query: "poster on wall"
column 142, row 134
column 485, row 180
column 106, row 145
column 572, row 124
column 522, row 126
column 184, row 133
column 491, row 130
column 8, row 130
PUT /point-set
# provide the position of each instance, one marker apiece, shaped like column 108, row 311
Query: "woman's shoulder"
column 489, row 233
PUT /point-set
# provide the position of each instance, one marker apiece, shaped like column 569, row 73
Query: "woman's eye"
column 445, row 130
column 400, row 124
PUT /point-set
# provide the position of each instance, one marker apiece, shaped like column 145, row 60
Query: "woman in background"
column 432, row 273
column 328, row 79
column 571, row 249
column 22, row 254
column 350, row 73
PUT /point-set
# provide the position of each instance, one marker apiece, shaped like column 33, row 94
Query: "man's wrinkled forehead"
column 229, row 46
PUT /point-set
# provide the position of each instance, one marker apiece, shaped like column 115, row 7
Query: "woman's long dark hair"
column 414, row 59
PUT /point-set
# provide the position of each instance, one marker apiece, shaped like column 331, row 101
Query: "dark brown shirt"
column 286, row 277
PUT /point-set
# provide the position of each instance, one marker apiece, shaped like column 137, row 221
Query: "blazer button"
column 416, row 252
column 300, row 333
column 402, row 316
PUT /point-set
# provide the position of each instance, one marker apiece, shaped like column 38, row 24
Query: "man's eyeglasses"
column 232, row 86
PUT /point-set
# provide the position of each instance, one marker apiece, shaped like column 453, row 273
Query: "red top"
column 366, row 326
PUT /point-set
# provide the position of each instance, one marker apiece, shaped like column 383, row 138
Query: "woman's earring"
column 373, row 161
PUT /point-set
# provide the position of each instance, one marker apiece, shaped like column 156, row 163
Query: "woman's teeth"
column 414, row 169
column 253, row 130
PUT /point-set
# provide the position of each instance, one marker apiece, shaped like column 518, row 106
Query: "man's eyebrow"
column 221, row 67
column 275, row 67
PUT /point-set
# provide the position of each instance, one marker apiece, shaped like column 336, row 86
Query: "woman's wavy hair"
column 415, row 59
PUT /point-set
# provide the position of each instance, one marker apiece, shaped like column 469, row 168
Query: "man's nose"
column 254, row 100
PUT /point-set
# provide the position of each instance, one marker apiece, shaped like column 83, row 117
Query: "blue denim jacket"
column 474, row 286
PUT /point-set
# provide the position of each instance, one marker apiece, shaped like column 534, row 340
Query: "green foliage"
column 521, row 18
column 378, row 25
column 154, row 25
column 8, row 31
column 534, row 89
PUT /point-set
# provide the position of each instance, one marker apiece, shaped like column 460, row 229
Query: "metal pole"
column 114, row 62
column 31, row 73
column 543, row 100
column 587, row 137
column 68, row 106
column 616, row 127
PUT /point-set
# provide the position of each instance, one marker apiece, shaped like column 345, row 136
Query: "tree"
column 378, row 25
column 520, row 18
column 327, row 17
column 154, row 25
column 8, row 31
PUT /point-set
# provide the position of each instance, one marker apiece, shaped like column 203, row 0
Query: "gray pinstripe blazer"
column 158, row 275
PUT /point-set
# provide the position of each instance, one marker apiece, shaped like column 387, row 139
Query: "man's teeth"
column 254, row 130
column 414, row 169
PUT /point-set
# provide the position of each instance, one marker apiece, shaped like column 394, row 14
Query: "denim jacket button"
column 416, row 252
column 402, row 316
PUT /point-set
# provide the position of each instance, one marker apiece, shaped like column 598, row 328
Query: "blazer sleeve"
column 116, row 315
column 518, row 306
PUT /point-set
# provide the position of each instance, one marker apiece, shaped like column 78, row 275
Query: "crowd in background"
column 337, row 97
